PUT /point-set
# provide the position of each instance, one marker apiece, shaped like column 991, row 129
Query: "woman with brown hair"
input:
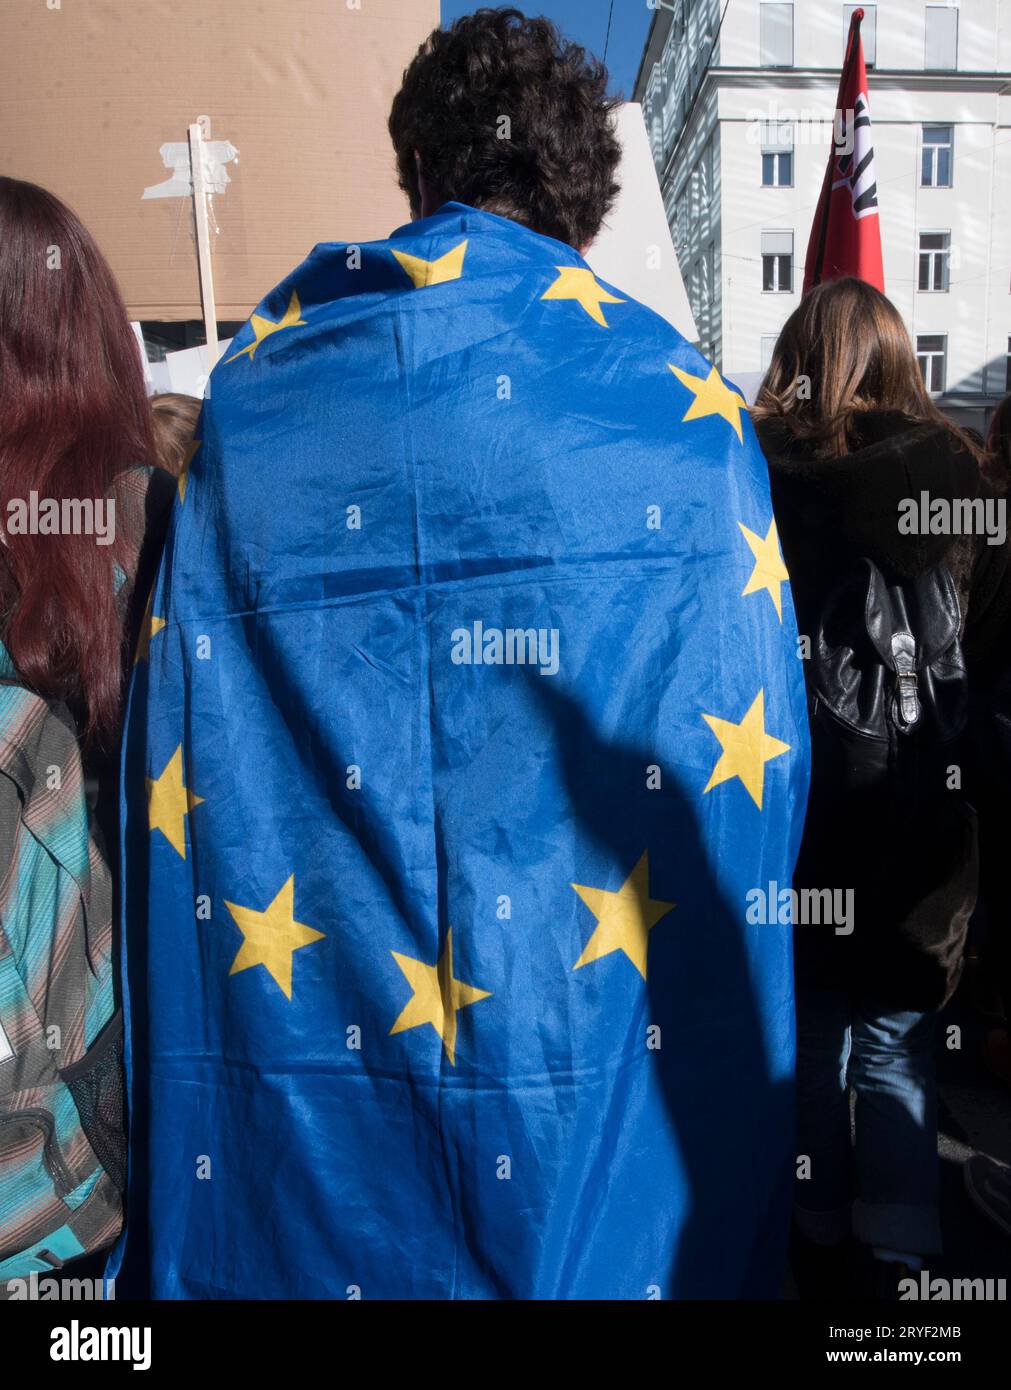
column 175, row 420
column 82, row 511
column 902, row 607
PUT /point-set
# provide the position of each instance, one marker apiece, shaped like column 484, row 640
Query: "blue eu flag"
column 466, row 717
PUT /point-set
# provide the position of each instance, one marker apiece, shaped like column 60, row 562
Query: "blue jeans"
column 884, row 1187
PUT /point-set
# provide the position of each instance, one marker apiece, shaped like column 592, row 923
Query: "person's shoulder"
column 931, row 452
column 146, row 488
column 143, row 495
column 894, row 430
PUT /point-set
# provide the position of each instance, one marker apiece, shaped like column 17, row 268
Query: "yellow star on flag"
column 712, row 397
column 624, row 918
column 150, row 626
column 437, row 272
column 769, row 573
column 262, row 328
column 578, row 283
column 184, row 472
column 746, row 749
column 271, row 938
column 437, row 996
column 169, row 803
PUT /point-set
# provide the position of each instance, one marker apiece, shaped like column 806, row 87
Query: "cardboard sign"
column 96, row 100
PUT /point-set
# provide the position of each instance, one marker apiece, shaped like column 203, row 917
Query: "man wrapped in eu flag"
column 467, row 715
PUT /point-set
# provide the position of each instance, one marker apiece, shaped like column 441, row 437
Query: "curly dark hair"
column 553, row 169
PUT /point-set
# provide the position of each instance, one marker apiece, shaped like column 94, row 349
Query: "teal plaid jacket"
column 62, row 1127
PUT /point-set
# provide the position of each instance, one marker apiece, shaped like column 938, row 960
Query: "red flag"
column 846, row 235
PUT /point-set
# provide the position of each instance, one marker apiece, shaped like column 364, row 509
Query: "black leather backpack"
column 887, row 685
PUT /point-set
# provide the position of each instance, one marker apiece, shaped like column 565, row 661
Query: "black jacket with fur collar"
column 915, row 883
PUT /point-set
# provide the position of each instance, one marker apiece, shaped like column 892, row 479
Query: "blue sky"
column 586, row 22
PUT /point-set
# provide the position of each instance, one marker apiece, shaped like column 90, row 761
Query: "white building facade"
column 739, row 99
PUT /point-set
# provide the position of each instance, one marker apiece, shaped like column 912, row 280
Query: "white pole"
column 198, row 130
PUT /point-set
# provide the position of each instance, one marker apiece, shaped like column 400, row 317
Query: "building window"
column 777, row 168
column 777, row 35
column 777, row 262
column 932, row 355
column 769, row 341
column 868, row 30
column 941, row 48
column 935, row 168
column 777, row 154
column 935, row 253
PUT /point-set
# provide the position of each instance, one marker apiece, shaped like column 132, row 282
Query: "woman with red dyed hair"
column 82, row 515
column 74, row 424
